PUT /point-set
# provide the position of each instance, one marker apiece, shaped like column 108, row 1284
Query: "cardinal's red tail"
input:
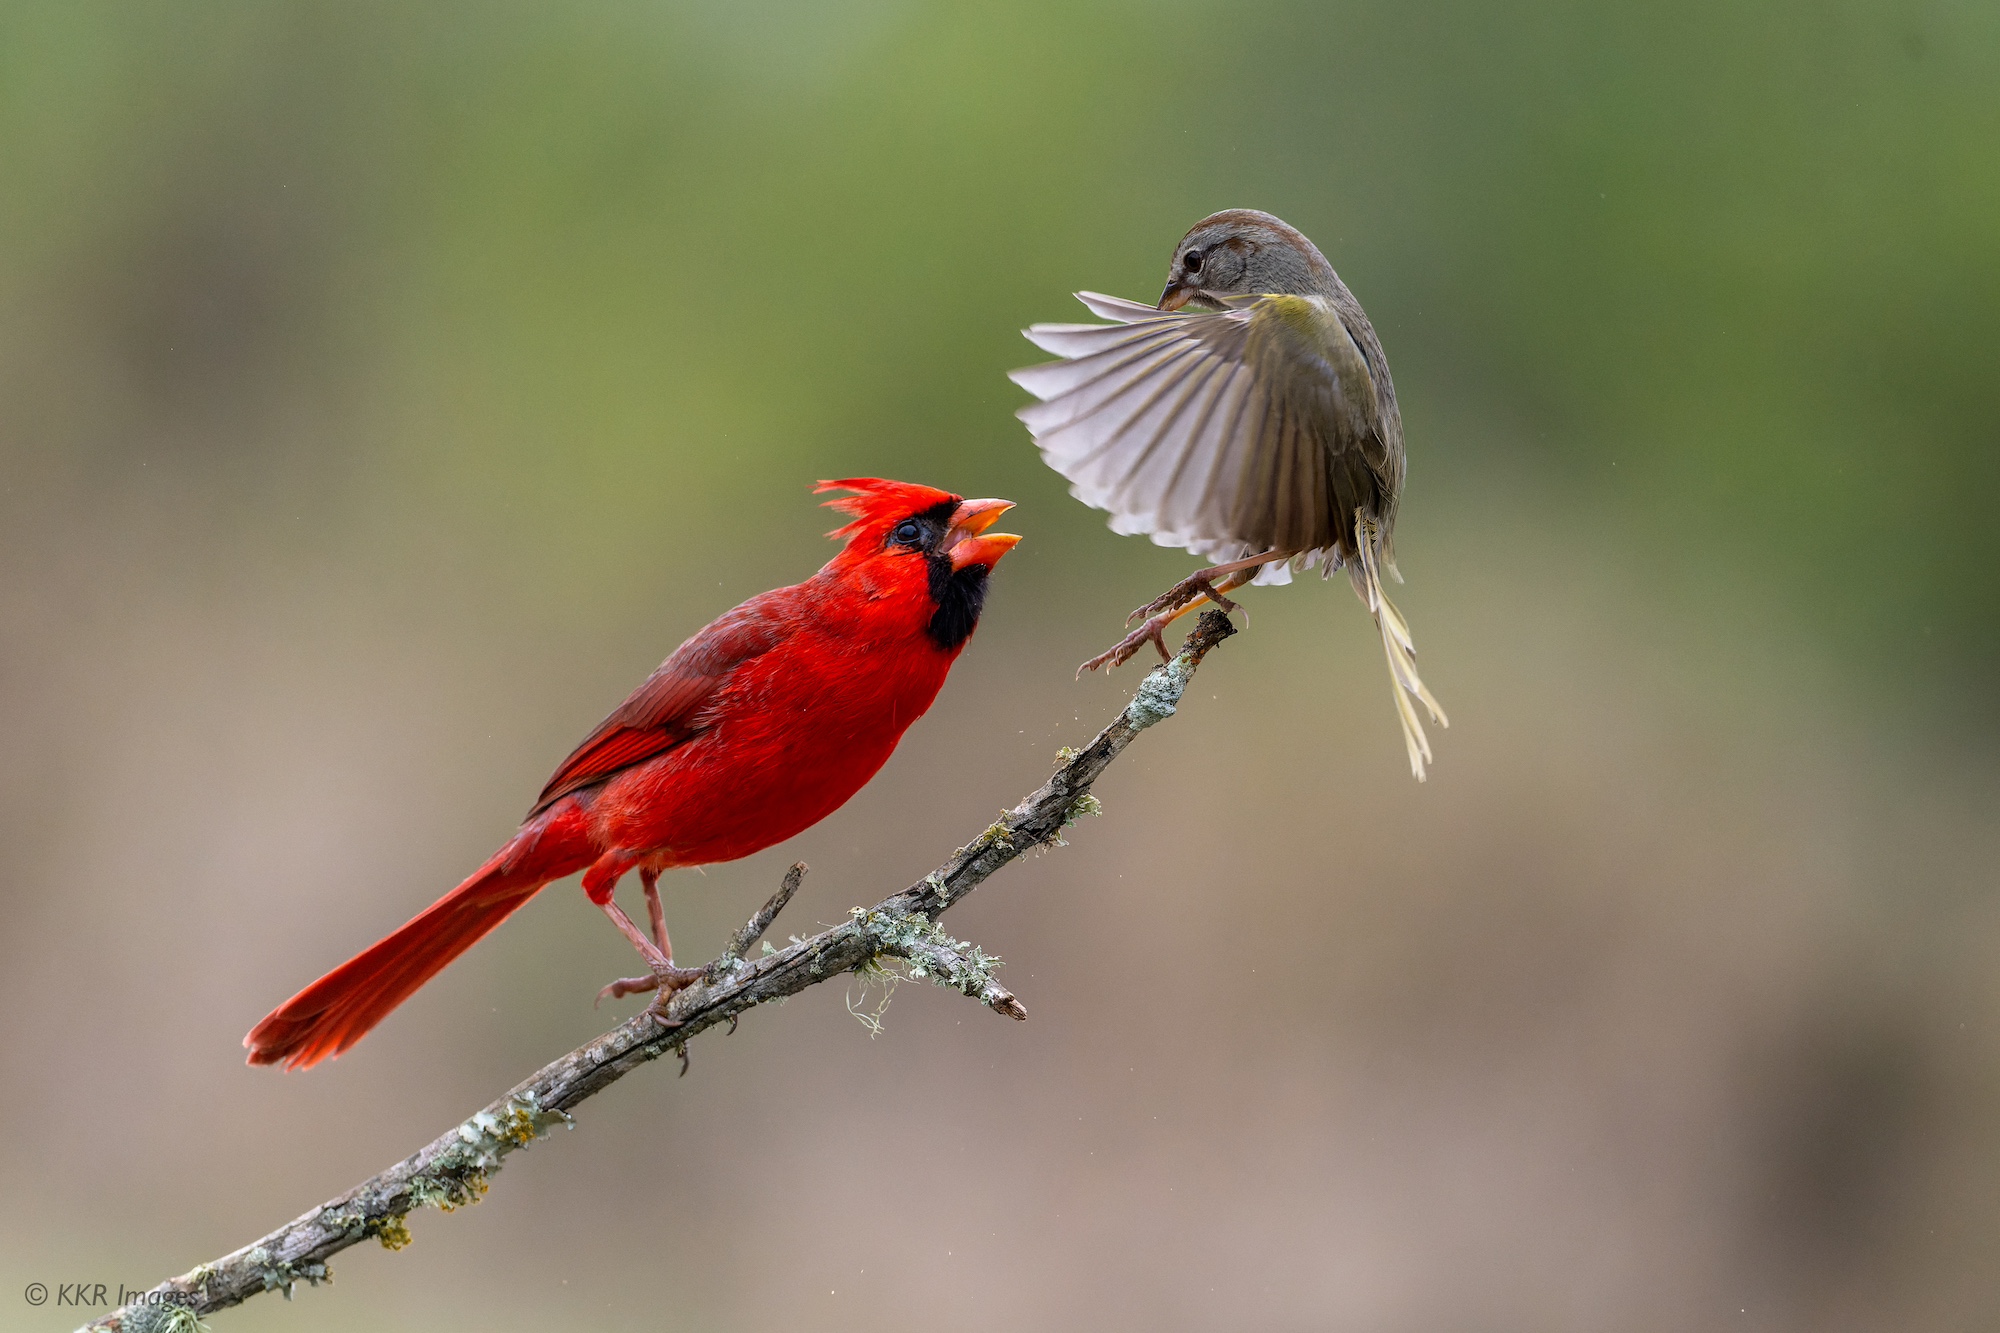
column 336, row 1011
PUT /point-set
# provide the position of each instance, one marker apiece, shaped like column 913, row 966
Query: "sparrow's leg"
column 658, row 951
column 1210, row 584
column 1153, row 630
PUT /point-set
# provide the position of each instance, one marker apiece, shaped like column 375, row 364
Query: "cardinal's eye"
column 908, row 533
column 1191, row 261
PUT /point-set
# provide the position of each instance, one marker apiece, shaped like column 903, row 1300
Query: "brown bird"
column 1249, row 418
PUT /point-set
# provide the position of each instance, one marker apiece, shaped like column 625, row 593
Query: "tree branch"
column 456, row 1168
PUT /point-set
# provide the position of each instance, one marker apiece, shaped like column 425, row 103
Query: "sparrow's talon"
column 1188, row 591
column 1121, row 652
column 1173, row 599
column 1114, row 658
column 1208, row 590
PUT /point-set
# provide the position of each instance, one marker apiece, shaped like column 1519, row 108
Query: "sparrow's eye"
column 1191, row 261
column 908, row 533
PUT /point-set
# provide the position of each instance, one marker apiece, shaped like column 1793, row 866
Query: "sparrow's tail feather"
column 340, row 1008
column 1366, row 573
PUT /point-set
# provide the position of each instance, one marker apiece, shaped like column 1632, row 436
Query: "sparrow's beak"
column 969, row 543
column 1176, row 296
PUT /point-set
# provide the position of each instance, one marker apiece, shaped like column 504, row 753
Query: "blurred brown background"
column 385, row 389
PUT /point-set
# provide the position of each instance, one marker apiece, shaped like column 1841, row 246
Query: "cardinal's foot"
column 624, row 986
column 1121, row 652
column 665, row 979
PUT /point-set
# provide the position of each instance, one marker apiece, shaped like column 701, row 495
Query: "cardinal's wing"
column 666, row 710
column 1229, row 433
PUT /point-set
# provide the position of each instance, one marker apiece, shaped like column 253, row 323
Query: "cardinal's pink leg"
column 658, row 951
column 651, row 880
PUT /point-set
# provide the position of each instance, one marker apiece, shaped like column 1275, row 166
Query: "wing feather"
column 1188, row 427
column 1073, row 340
column 1176, row 506
column 1101, row 381
column 1123, row 311
column 666, row 711
column 1268, row 425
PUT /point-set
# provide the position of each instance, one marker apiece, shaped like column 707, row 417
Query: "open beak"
column 969, row 543
column 1176, row 296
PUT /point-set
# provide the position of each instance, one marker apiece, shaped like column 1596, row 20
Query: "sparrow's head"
column 1239, row 252
column 925, row 541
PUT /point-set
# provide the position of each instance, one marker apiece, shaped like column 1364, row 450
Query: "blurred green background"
column 385, row 389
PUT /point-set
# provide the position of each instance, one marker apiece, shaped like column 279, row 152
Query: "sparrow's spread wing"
column 1230, row 433
column 666, row 710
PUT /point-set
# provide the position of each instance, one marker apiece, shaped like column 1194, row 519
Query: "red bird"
column 755, row 729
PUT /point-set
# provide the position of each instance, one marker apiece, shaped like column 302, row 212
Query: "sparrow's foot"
column 1121, row 652
column 1185, row 594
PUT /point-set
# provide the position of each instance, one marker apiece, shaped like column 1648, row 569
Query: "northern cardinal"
column 1261, row 433
column 755, row 729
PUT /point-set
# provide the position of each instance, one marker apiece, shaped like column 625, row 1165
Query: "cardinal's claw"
column 657, row 1011
column 624, row 986
column 666, row 979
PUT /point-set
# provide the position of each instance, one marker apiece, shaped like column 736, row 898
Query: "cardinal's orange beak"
column 969, row 543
